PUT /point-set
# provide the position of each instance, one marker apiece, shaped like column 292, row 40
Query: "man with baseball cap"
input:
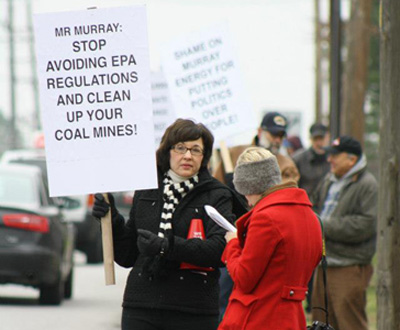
column 270, row 135
column 346, row 200
column 312, row 162
column 272, row 131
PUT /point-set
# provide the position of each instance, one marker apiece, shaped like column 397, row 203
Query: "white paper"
column 94, row 81
column 205, row 81
column 219, row 219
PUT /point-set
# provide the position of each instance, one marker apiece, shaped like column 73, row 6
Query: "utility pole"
column 33, row 66
column 388, row 288
column 335, row 68
column 322, row 59
column 13, row 128
column 318, row 60
column 358, row 35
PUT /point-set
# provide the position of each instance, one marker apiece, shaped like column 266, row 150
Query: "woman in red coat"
column 277, row 246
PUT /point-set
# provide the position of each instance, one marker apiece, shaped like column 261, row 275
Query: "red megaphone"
column 196, row 230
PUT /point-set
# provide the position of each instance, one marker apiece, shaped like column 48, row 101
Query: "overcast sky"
column 274, row 41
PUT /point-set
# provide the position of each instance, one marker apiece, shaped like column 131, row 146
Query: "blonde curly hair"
column 254, row 154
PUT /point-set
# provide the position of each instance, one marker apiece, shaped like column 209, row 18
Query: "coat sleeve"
column 360, row 223
column 247, row 265
column 124, row 239
column 205, row 253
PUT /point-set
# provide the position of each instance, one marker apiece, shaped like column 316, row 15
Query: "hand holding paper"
column 219, row 219
column 230, row 235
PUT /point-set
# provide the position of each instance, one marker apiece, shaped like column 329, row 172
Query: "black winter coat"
column 182, row 290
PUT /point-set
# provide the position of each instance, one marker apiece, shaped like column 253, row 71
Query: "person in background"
column 293, row 144
column 312, row 163
column 346, row 200
column 160, row 294
column 270, row 136
column 313, row 166
column 275, row 250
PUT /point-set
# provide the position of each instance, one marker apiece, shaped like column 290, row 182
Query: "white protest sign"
column 94, row 79
column 205, row 83
column 163, row 112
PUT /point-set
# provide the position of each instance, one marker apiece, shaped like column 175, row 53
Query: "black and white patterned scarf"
column 172, row 195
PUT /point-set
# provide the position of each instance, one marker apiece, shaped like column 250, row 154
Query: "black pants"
column 158, row 319
column 226, row 285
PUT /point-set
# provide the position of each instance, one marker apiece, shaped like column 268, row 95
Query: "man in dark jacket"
column 312, row 162
column 346, row 201
column 313, row 166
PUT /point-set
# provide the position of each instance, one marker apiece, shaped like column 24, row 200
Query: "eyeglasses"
column 182, row 149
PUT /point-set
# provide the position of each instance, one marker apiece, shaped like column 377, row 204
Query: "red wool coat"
column 279, row 244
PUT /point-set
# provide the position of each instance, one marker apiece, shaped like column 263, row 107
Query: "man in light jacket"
column 346, row 200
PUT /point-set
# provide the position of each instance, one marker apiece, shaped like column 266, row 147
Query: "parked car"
column 36, row 244
column 77, row 211
column 123, row 202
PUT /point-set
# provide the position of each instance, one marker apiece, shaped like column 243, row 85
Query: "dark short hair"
column 183, row 130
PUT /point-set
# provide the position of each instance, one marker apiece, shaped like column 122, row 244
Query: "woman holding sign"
column 273, row 254
column 171, row 243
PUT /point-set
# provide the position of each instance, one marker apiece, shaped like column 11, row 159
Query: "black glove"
column 149, row 244
column 101, row 207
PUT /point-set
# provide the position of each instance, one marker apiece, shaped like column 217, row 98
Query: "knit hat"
column 255, row 178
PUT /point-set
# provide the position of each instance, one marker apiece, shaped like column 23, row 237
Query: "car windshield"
column 16, row 189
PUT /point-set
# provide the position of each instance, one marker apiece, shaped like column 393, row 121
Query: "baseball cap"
column 318, row 129
column 345, row 144
column 274, row 122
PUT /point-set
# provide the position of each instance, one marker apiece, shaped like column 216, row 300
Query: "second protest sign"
column 205, row 81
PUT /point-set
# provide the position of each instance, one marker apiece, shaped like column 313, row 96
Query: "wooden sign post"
column 108, row 250
column 226, row 157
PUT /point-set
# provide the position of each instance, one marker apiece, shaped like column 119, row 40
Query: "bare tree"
column 389, row 186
